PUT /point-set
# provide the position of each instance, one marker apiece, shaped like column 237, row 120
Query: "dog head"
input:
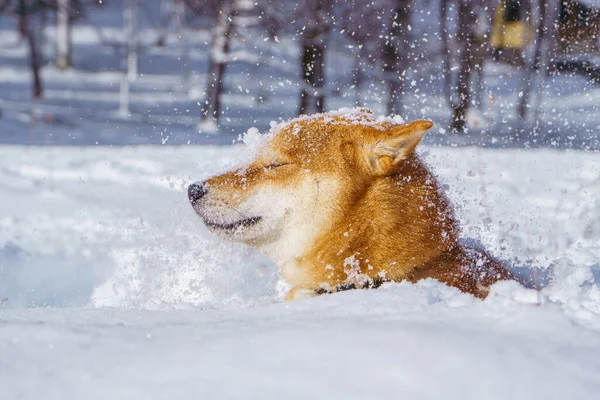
column 307, row 174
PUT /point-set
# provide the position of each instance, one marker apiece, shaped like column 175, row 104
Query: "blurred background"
column 502, row 73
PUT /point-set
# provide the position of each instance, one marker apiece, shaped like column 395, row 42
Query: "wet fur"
column 342, row 202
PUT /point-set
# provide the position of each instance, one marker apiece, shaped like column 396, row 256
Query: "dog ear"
column 386, row 153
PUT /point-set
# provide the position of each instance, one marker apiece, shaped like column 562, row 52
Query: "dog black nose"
column 196, row 191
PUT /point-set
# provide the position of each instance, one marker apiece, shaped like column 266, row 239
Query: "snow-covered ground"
column 140, row 301
column 402, row 341
column 111, row 288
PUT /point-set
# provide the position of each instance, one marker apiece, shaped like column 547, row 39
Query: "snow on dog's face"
column 303, row 179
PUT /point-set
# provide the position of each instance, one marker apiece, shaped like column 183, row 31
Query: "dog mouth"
column 243, row 223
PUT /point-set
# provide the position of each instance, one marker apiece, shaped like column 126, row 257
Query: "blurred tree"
column 175, row 14
column 63, row 34
column 316, row 26
column 364, row 24
column 395, row 52
column 67, row 12
column 229, row 16
column 458, row 89
column 24, row 11
column 482, row 49
column 358, row 31
column 220, row 45
column 130, row 31
column 180, row 17
column 534, row 67
column 130, row 58
column 310, row 22
column 380, row 30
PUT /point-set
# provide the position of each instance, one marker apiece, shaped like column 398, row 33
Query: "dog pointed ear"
column 386, row 153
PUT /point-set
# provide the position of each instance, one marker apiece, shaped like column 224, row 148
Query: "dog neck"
column 395, row 225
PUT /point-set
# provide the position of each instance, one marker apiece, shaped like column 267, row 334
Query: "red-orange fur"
column 390, row 221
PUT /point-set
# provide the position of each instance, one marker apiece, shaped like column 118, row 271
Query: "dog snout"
column 196, row 191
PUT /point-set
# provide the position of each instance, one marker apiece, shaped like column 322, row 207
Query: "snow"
column 140, row 301
column 415, row 341
column 346, row 115
column 254, row 140
column 111, row 287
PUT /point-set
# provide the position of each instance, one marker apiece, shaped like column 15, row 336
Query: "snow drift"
column 150, row 305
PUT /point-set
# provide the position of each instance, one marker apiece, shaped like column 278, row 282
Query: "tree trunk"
column 22, row 21
column 35, row 66
column 313, row 68
column 124, row 96
column 314, row 43
column 396, row 55
column 445, row 50
column 129, row 60
column 481, row 50
column 63, row 35
column 34, row 56
column 466, row 39
column 530, row 76
column 219, row 50
column 130, row 32
column 166, row 12
column 180, row 22
column 552, row 23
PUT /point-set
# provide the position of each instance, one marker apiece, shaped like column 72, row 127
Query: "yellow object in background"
column 509, row 30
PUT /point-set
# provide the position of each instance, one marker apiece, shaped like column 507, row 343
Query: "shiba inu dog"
column 340, row 201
